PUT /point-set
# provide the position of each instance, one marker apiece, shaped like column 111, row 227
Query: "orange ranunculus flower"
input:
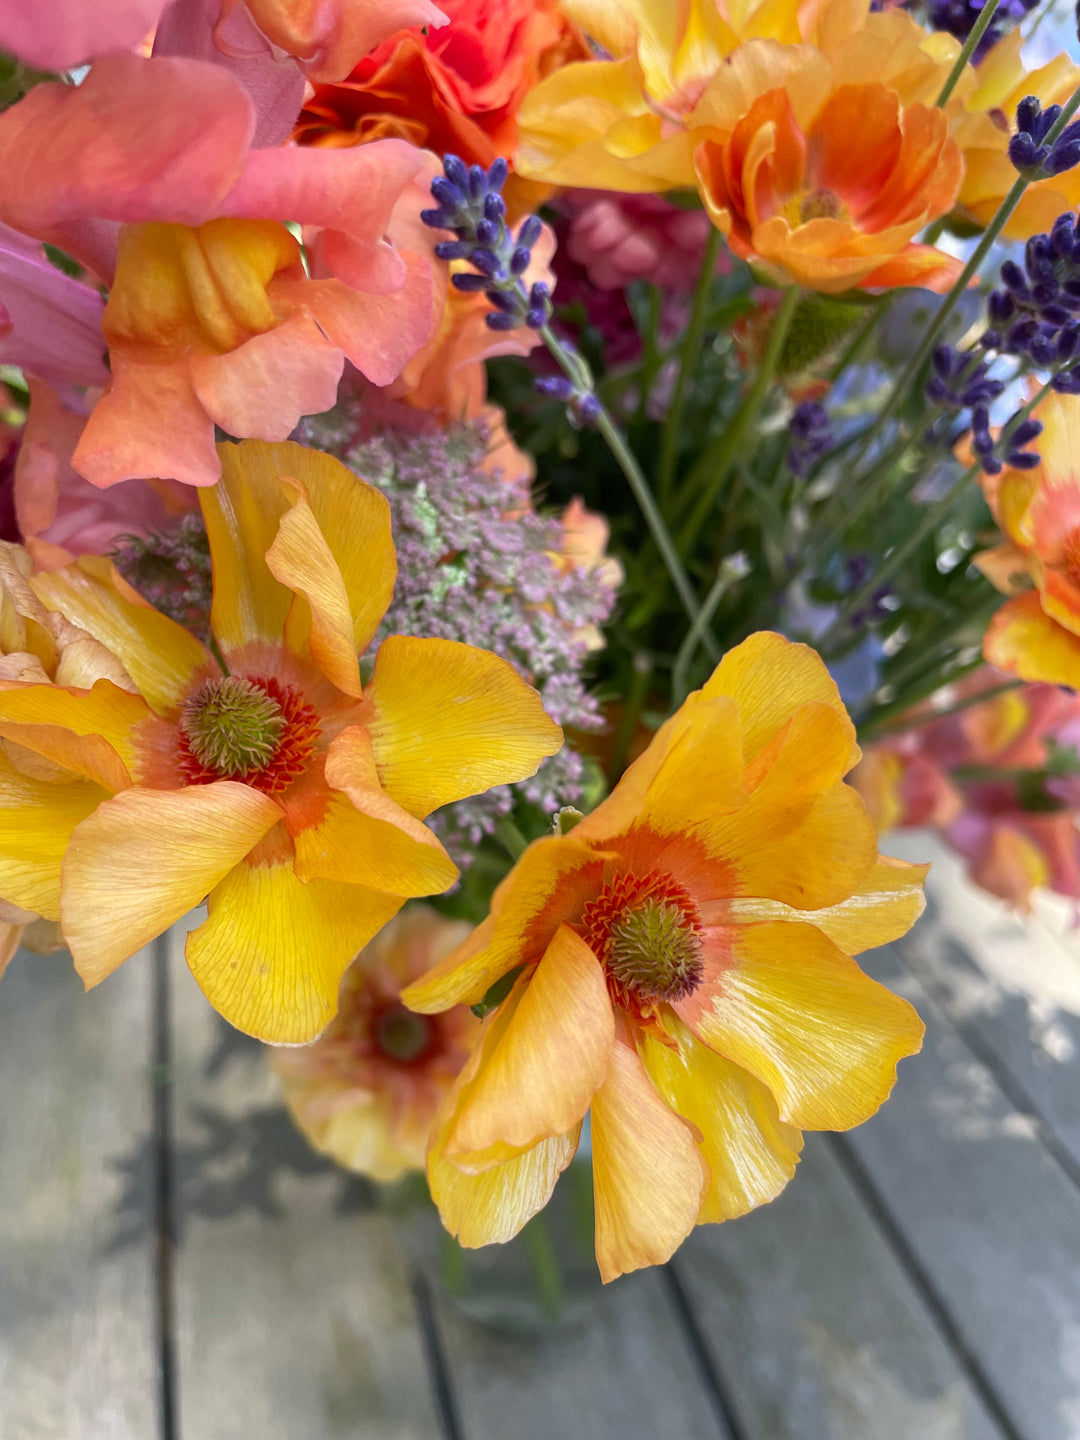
column 262, row 773
column 982, row 121
column 367, row 1091
column 1036, row 633
column 631, row 122
column 682, row 972
column 455, row 90
column 823, row 179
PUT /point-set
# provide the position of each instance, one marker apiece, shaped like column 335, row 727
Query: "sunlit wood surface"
column 175, row 1264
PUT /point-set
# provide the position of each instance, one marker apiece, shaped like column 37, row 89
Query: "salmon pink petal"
column 550, row 885
column 60, row 34
column 272, row 951
column 161, row 657
column 137, row 140
column 538, row 1081
column 449, row 721
column 265, row 386
column 919, row 265
column 149, row 422
column 799, row 1014
column 648, row 1174
column 37, row 820
column 751, row 1154
column 145, row 858
column 330, row 39
column 1023, row 640
column 55, row 321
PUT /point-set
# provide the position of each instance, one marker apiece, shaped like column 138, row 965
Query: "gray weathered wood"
column 991, row 1216
column 78, row 1350
column 624, row 1370
column 1010, row 983
column 294, row 1315
column 816, row 1330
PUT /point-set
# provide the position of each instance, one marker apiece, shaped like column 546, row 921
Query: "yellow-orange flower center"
column 646, row 931
column 249, row 728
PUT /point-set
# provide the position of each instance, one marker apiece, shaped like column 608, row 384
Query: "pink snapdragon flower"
column 146, row 173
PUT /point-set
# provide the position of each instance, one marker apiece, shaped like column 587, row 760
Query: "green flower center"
column 401, row 1034
column 232, row 726
column 655, row 952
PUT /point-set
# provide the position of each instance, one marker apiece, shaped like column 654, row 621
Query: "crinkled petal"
column 648, row 1175
column 449, row 721
column 799, row 1014
column 90, row 733
column 145, row 858
column 540, row 1078
column 750, row 1152
column 491, row 1207
column 37, row 818
column 271, row 954
column 355, row 847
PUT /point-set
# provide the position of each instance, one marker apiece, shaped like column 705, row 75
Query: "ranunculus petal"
column 449, row 721
column 491, row 1207
column 358, row 848
column 883, row 907
column 648, row 1174
column 271, row 954
column 548, row 886
column 37, row 818
column 750, row 1152
column 56, row 723
column 799, row 1014
column 538, row 1081
column 145, row 858
column 161, row 657
column 1022, row 639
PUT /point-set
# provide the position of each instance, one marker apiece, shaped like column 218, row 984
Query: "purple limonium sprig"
column 471, row 206
column 811, row 435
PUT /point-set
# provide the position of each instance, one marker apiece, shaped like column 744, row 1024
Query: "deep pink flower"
column 51, row 324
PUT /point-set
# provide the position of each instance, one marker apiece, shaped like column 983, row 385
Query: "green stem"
column 729, row 574
column 641, row 669
column 511, row 838
column 544, row 1264
column 923, row 691
column 577, row 371
column 978, row 30
column 949, row 304
column 695, row 334
column 722, row 453
column 652, row 361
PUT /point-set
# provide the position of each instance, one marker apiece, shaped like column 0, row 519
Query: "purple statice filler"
column 170, row 567
column 477, row 564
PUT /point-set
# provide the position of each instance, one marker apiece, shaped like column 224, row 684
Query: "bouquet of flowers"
column 504, row 500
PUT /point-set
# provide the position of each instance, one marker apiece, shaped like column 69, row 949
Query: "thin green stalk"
column 722, row 454
column 511, row 838
column 922, row 691
column 544, row 1264
column 729, row 574
column 949, row 304
column 641, row 669
column 978, row 30
column 577, row 371
column 695, row 334
column 652, row 359
column 926, row 527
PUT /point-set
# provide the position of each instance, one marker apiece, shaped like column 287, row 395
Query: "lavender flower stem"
column 691, row 348
column 575, row 370
column 978, row 30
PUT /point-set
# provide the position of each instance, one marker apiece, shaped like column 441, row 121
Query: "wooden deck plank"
column 816, row 1329
column 1010, row 983
column 991, row 1216
column 78, row 1338
column 623, row 1370
column 294, row 1314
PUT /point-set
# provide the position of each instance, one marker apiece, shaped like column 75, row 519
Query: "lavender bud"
column 530, row 230
column 519, row 260
column 452, row 249
column 437, row 219
column 1062, row 157
column 469, row 284
column 457, row 172
column 1025, row 154
column 447, row 193
column 487, row 262
column 587, row 409
column 487, row 231
column 1063, row 236
column 494, row 208
column 1022, row 459
column 1025, row 432
column 555, row 387
column 1013, row 276
column 496, row 320
column 536, row 318
column 942, row 360
column 1027, row 113
column 496, row 176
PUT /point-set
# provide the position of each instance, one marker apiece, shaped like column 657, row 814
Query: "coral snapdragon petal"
column 751, row 1153
column 144, row 858
column 648, row 1174
column 60, row 34
column 799, row 1014
column 450, row 721
column 271, row 954
column 538, row 1081
column 161, row 657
